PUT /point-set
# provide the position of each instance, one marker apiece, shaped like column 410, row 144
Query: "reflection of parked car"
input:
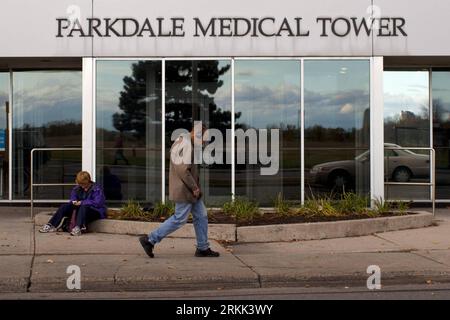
column 403, row 165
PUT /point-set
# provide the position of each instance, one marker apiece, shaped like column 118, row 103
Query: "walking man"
column 184, row 190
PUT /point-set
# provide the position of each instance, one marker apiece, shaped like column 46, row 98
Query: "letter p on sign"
column 374, row 281
column 74, row 280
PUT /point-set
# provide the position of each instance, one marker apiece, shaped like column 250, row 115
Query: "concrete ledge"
column 269, row 233
column 336, row 229
column 223, row 232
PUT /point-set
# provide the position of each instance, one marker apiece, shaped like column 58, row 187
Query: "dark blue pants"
column 85, row 215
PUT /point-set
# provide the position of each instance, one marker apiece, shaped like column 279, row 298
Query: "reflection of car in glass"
column 403, row 166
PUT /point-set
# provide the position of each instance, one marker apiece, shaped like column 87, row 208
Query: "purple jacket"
column 95, row 198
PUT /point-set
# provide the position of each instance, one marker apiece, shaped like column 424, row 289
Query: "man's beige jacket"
column 183, row 177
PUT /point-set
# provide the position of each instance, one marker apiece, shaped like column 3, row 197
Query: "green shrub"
column 401, row 206
column 241, row 208
column 381, row 206
column 281, row 205
column 352, row 203
column 319, row 207
column 132, row 209
column 331, row 205
column 163, row 209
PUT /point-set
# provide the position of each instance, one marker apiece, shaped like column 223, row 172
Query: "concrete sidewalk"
column 38, row 262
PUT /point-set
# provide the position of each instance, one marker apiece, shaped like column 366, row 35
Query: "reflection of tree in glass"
column 408, row 128
column 190, row 95
column 135, row 98
column 441, row 112
column 190, row 89
column 317, row 135
column 441, row 132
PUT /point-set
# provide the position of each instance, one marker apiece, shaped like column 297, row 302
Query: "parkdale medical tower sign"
column 235, row 28
column 266, row 27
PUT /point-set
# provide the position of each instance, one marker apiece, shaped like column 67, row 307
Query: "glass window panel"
column 441, row 131
column 46, row 114
column 201, row 91
column 407, row 193
column 336, row 170
column 267, row 96
column 337, row 126
column 407, row 124
column 406, row 108
column 128, row 108
column 4, row 106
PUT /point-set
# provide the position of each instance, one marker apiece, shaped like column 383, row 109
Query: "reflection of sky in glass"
column 441, row 96
column 267, row 92
column 41, row 97
column 405, row 91
column 110, row 76
column 4, row 89
column 337, row 92
column 222, row 97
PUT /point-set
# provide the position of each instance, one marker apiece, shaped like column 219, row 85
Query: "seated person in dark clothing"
column 111, row 185
column 87, row 203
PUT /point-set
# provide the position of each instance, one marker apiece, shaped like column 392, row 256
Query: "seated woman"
column 87, row 203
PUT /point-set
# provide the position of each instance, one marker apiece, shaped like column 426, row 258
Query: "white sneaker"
column 76, row 231
column 47, row 228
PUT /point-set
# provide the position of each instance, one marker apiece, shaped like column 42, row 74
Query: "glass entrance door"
column 200, row 90
column 441, row 131
column 128, row 138
column 4, row 109
column 46, row 114
column 407, row 125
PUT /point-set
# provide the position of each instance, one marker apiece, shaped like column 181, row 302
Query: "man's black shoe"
column 206, row 253
column 147, row 245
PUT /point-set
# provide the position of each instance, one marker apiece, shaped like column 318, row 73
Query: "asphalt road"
column 400, row 292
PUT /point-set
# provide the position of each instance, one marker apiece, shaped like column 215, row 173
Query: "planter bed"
column 269, row 233
column 267, row 217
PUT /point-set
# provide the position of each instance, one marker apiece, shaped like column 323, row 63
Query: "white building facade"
column 359, row 91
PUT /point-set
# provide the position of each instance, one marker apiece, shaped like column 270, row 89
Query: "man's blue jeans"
column 179, row 218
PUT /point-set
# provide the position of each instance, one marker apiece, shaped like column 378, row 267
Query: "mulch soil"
column 268, row 218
